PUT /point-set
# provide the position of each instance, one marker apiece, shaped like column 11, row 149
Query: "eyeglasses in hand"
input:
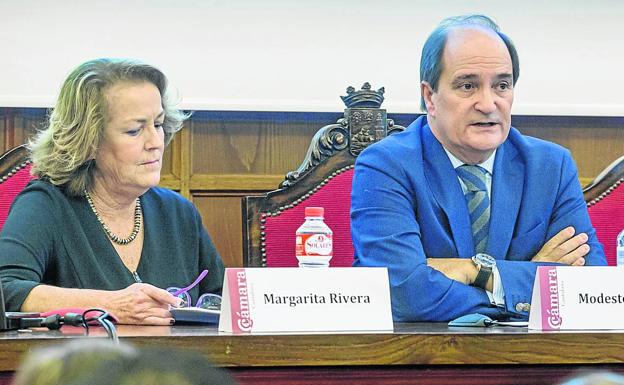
column 206, row 301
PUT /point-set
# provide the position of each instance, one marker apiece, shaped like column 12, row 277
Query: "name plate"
column 576, row 298
column 261, row 300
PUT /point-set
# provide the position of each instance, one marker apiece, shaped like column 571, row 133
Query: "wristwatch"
column 485, row 263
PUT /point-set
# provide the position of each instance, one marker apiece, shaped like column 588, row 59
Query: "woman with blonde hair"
column 94, row 230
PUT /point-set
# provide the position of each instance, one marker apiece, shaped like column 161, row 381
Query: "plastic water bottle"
column 619, row 261
column 314, row 240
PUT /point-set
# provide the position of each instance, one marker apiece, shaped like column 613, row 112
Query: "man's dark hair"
column 431, row 58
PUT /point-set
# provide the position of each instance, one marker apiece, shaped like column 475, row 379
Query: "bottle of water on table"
column 619, row 261
column 314, row 240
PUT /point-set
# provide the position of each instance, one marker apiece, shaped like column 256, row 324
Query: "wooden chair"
column 605, row 203
column 15, row 167
column 323, row 179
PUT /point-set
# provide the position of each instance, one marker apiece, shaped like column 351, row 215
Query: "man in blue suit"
column 461, row 207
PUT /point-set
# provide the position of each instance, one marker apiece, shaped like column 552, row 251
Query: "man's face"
column 470, row 113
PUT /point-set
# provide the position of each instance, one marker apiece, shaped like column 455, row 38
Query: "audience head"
column 596, row 378
column 93, row 362
column 65, row 150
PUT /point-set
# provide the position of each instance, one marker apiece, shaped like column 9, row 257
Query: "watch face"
column 484, row 260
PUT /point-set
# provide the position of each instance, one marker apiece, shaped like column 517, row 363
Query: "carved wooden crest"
column 364, row 123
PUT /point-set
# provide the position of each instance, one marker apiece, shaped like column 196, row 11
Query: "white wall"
column 289, row 55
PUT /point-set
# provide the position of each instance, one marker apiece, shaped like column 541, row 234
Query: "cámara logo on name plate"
column 551, row 316
column 241, row 319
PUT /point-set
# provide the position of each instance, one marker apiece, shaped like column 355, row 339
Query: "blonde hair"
column 63, row 153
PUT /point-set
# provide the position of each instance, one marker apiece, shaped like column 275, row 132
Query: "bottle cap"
column 314, row 211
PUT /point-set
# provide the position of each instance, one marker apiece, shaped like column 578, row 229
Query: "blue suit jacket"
column 407, row 205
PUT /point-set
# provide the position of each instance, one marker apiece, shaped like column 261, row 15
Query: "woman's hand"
column 142, row 304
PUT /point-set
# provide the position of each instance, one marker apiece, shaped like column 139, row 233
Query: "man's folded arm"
column 570, row 211
column 385, row 233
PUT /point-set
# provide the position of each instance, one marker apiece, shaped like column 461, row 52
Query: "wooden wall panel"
column 239, row 151
column 26, row 123
column 167, row 167
column 221, row 214
column 18, row 125
column 169, row 175
column 594, row 142
column 240, row 147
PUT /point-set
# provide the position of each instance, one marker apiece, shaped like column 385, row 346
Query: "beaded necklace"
column 138, row 215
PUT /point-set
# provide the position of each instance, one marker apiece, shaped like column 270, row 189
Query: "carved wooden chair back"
column 323, row 180
column 15, row 167
column 605, row 203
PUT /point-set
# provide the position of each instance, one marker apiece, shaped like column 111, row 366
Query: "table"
column 416, row 353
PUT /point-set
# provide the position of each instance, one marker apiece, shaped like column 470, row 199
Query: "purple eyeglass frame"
column 199, row 278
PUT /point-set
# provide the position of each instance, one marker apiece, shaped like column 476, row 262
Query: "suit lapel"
column 507, row 189
column 446, row 190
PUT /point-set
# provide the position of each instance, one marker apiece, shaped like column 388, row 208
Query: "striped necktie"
column 478, row 203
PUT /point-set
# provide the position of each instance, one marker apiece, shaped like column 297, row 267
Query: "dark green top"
column 50, row 238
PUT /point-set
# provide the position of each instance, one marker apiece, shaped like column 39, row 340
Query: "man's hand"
column 458, row 269
column 565, row 248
